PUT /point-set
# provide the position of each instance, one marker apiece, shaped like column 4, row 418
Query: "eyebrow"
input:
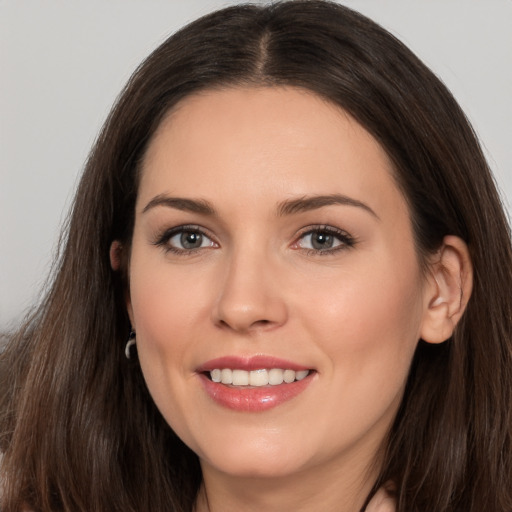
column 180, row 203
column 288, row 207
column 307, row 203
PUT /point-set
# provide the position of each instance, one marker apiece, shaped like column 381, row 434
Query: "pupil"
column 190, row 240
column 321, row 241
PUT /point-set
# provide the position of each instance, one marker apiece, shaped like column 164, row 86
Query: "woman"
column 289, row 229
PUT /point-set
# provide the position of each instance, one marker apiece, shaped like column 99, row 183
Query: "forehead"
column 256, row 143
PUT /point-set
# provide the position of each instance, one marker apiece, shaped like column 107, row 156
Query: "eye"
column 189, row 240
column 324, row 240
column 184, row 239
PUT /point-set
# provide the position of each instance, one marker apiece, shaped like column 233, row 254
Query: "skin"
column 257, row 286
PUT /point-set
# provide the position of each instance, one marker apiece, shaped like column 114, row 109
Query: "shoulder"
column 381, row 502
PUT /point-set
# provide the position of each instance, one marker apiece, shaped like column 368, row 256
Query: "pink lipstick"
column 253, row 384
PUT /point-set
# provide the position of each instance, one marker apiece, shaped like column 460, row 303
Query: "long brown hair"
column 78, row 428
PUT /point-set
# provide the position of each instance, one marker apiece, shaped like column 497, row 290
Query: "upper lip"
column 250, row 363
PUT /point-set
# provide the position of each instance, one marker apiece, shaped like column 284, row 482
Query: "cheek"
column 368, row 319
column 165, row 302
column 367, row 324
column 165, row 308
column 158, row 314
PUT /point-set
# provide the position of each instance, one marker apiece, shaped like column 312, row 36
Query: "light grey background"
column 63, row 63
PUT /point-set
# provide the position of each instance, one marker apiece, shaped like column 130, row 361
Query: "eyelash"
column 345, row 239
column 163, row 239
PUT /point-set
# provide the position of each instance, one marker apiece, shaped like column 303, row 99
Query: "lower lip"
column 253, row 399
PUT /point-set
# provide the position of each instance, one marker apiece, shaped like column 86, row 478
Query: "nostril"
column 261, row 325
column 252, row 325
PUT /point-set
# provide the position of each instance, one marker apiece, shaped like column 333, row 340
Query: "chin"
column 256, row 460
column 257, row 470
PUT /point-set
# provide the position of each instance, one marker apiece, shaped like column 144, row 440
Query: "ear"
column 447, row 291
column 116, row 253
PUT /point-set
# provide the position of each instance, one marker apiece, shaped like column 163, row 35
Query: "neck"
column 329, row 488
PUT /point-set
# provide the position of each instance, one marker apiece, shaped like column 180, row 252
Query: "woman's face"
column 271, row 242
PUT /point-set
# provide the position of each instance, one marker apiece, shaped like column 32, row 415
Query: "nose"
column 251, row 296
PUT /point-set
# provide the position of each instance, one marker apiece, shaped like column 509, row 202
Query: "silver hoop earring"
column 131, row 342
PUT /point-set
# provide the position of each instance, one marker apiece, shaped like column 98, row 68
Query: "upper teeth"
column 261, row 377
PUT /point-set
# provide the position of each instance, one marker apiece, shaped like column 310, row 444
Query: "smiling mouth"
column 256, row 378
column 254, row 384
